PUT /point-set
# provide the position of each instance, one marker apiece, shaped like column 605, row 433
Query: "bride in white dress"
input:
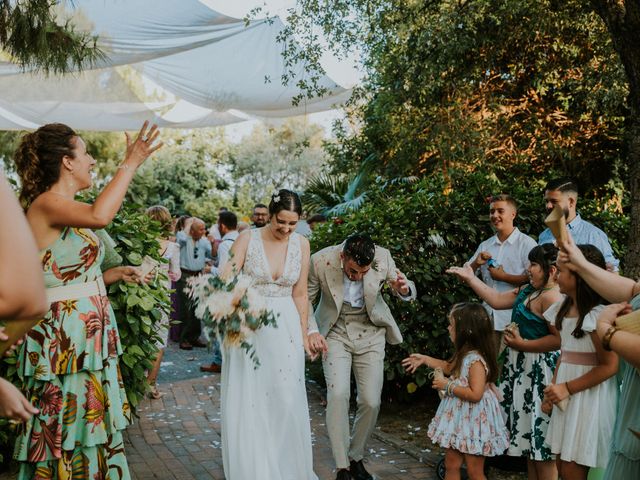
column 266, row 433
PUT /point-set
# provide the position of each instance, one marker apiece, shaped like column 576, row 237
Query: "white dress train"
column 266, row 433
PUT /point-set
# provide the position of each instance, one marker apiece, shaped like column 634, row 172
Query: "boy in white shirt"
column 503, row 258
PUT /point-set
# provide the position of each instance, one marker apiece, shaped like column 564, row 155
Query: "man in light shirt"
column 564, row 192
column 503, row 259
column 351, row 325
column 195, row 250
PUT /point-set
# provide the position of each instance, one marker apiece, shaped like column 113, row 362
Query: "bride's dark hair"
column 285, row 200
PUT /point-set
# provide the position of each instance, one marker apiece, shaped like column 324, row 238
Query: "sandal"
column 154, row 394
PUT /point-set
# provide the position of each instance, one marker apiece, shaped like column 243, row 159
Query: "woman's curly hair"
column 38, row 159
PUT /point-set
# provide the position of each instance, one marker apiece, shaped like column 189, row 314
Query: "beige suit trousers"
column 354, row 344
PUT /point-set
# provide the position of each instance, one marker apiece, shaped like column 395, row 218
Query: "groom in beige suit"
column 351, row 325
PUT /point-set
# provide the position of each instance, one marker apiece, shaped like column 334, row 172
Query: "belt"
column 76, row 290
column 579, row 358
column 191, row 272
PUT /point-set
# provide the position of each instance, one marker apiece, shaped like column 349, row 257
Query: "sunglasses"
column 195, row 252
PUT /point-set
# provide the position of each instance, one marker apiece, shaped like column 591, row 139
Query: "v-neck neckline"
column 266, row 260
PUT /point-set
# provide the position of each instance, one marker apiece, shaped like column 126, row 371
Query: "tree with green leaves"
column 278, row 157
column 37, row 39
column 459, row 84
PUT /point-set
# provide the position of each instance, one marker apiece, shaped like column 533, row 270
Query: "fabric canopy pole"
column 193, row 53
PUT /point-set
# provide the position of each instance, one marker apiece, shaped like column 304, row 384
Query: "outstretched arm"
column 58, row 211
column 611, row 286
column 496, row 299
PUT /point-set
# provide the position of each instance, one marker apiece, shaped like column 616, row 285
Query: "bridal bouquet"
column 230, row 309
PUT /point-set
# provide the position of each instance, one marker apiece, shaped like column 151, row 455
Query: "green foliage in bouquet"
column 231, row 310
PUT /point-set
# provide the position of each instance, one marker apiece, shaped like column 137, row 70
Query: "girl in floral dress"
column 68, row 363
column 530, row 357
column 469, row 422
column 580, row 432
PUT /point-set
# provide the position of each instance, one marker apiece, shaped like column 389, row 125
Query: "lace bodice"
column 256, row 265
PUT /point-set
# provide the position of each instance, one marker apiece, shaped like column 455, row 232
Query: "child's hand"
column 439, row 383
column 556, row 393
column 413, row 361
column 513, row 339
column 546, row 406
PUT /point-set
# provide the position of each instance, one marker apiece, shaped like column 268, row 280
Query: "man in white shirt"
column 503, row 259
column 228, row 228
column 352, row 324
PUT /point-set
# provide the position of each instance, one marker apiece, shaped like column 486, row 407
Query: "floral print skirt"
column 78, row 432
column 524, row 377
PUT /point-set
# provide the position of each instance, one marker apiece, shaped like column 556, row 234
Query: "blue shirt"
column 584, row 232
column 193, row 255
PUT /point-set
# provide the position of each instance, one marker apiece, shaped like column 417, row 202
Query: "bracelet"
column 566, row 384
column 449, row 388
column 606, row 340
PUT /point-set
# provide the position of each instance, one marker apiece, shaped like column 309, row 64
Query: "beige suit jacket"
column 326, row 279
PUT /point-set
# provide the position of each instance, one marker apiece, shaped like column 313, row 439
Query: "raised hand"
column 142, row 147
column 571, row 256
column 400, row 284
column 608, row 315
column 463, row 273
column 482, row 258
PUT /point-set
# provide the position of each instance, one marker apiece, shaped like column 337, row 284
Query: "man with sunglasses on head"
column 195, row 250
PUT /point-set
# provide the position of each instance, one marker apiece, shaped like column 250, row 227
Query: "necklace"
column 61, row 194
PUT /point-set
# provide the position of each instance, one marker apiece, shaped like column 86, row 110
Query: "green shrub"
column 435, row 223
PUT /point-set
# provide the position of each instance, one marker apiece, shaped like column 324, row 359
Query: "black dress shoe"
column 358, row 471
column 344, row 475
column 199, row 344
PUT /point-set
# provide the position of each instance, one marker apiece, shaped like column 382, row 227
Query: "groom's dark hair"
column 360, row 248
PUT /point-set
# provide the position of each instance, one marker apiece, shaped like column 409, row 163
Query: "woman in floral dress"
column 69, row 362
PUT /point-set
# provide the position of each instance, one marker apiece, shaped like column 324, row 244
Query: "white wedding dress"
column 266, row 434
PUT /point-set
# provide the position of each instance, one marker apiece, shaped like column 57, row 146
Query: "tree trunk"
column 622, row 18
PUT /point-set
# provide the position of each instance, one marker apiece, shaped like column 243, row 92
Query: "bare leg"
column 453, row 461
column 153, row 374
column 546, row 470
column 532, row 473
column 475, row 467
column 572, row 471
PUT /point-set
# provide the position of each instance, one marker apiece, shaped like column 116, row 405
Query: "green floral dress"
column 522, row 382
column 69, row 369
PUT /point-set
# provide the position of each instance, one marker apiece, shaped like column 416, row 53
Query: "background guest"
column 195, row 249
column 260, row 215
column 170, row 251
column 564, row 192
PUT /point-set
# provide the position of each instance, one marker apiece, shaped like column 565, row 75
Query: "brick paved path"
column 178, row 436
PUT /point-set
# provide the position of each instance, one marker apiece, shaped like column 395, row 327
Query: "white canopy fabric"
column 228, row 70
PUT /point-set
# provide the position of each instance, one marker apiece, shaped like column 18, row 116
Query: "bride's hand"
column 307, row 348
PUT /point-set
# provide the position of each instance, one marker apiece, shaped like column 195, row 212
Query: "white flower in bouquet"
column 230, row 309
column 256, row 302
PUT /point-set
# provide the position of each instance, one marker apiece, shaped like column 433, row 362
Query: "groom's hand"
column 318, row 344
